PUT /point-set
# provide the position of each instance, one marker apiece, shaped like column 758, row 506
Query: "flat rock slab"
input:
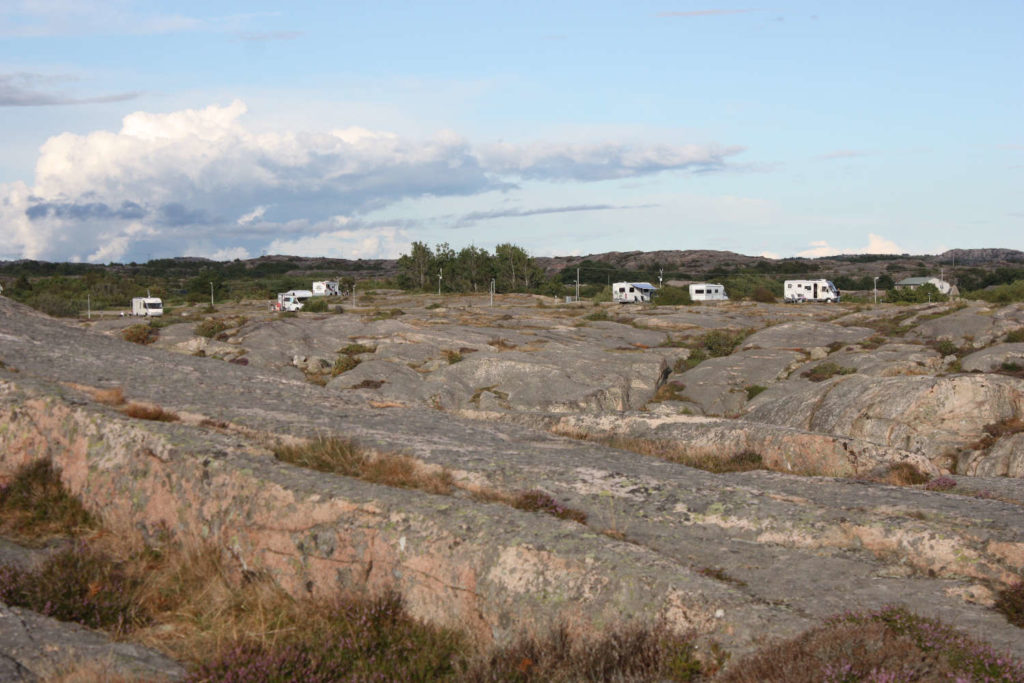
column 994, row 358
column 37, row 648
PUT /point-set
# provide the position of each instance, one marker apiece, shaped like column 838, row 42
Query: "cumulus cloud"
column 876, row 245
column 201, row 179
column 382, row 242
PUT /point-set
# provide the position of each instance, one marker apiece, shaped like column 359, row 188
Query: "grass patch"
column 1014, row 336
column 696, row 357
column 753, row 390
column 345, row 457
column 892, row 644
column 904, row 474
column 146, row 411
column 824, row 371
column 35, row 506
column 597, row 316
column 946, row 347
column 670, row 391
column 356, row 349
column 140, row 334
column 343, row 363
column 453, row 356
column 872, row 342
column 719, row 574
column 386, row 314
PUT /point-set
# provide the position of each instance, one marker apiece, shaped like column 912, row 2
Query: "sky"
column 137, row 130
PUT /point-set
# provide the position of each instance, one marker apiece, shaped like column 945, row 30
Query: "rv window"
column 154, row 305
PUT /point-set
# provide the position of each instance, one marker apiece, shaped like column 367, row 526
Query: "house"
column 915, row 282
column 632, row 292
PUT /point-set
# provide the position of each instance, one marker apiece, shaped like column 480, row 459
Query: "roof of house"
column 918, row 280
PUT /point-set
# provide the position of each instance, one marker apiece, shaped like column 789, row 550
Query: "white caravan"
column 810, row 290
column 148, row 306
column 326, row 288
column 293, row 299
column 704, row 291
column 632, row 292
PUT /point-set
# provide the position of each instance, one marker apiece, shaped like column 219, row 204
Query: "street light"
column 876, row 289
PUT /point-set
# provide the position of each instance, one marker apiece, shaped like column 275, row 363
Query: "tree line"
column 470, row 269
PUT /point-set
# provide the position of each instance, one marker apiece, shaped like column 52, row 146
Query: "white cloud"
column 876, row 245
column 202, row 179
column 385, row 242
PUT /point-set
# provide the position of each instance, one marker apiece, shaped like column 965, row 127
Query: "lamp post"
column 211, row 295
column 492, row 292
column 876, row 289
column 439, row 277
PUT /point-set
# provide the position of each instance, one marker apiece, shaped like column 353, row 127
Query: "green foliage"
column 763, row 295
column 604, row 295
column 722, row 342
column 469, row 270
column 1001, row 294
column 316, row 305
column 598, row 315
column 1014, row 336
column 922, row 294
column 672, row 296
column 343, row 363
column 356, row 349
column 946, row 347
column 743, row 285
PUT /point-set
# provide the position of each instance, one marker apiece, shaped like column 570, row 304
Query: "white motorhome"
column 293, row 299
column 632, row 292
column 810, row 290
column 148, row 306
column 705, row 291
column 326, row 288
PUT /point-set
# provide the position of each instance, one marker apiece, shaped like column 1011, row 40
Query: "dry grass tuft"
column 345, row 457
column 148, row 411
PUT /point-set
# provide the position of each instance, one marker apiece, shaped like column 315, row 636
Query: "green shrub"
column 1015, row 336
column 316, row 305
column 753, row 390
column 672, row 296
column 763, row 295
column 597, row 315
column 946, row 347
column 343, row 363
column 35, row 505
column 356, row 349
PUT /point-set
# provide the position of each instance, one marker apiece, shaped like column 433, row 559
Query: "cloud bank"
column 199, row 181
column 876, row 245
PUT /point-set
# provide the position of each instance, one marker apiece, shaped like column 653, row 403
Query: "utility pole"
column 88, row 305
column 876, row 290
column 439, row 278
column 211, row 295
column 492, row 292
column 353, row 293
column 577, row 284
column 661, row 275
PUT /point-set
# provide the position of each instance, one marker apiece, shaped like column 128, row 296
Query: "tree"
column 473, row 268
column 415, row 267
column 511, row 263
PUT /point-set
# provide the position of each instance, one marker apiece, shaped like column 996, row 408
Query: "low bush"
column 356, row 349
column 946, row 347
column 892, row 644
column 343, row 363
column 763, row 295
column 940, row 484
column 452, row 356
column 34, row 505
column 672, row 296
column 753, row 390
column 824, row 371
column 316, row 305
column 1014, row 336
column 597, row 316
column 140, row 334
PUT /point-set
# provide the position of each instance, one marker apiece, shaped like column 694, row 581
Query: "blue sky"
column 137, row 130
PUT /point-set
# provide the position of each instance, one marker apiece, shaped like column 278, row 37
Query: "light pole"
column 211, row 295
column 439, row 277
column 876, row 289
column 492, row 292
column 577, row 285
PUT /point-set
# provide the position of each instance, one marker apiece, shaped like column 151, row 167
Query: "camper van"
column 796, row 291
column 293, row 299
column 632, row 292
column 326, row 288
column 148, row 306
column 703, row 291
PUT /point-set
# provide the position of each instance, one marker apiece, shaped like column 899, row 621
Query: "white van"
column 148, row 306
column 632, row 292
column 704, row 291
column 293, row 299
column 796, row 291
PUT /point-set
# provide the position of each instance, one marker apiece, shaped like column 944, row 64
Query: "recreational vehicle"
column 326, row 288
column 148, row 306
column 810, row 290
column 632, row 292
column 293, row 299
column 704, row 291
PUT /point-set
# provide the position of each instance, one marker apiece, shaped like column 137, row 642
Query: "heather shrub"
column 316, row 305
column 145, row 411
column 76, row 584
column 763, row 295
column 1015, row 336
column 891, row 644
column 597, row 315
column 940, row 484
column 538, row 501
column 343, row 363
column 140, row 334
column 721, row 343
column 672, row 296
column 946, row 347
column 1011, row 603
